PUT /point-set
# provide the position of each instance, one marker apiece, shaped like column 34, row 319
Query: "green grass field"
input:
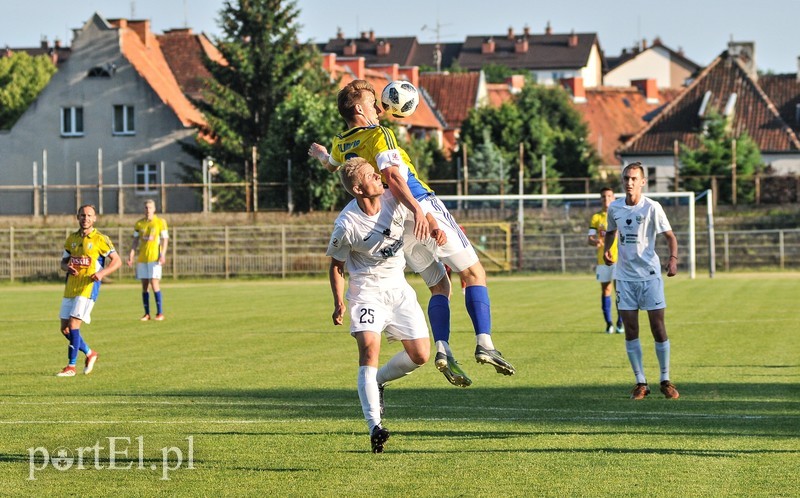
column 252, row 374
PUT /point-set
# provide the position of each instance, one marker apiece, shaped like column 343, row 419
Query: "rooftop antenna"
column 437, row 52
column 185, row 15
column 133, row 9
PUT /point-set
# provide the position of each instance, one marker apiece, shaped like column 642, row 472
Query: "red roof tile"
column 149, row 62
column 754, row 113
column 454, row 94
column 184, row 51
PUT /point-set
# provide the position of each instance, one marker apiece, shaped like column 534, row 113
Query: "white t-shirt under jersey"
column 371, row 246
column 637, row 227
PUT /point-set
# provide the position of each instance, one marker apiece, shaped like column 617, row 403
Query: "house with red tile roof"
column 425, row 121
column 547, row 57
column 670, row 68
column 763, row 106
column 114, row 112
column 57, row 52
column 454, row 95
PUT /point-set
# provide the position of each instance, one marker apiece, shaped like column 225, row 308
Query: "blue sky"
column 702, row 28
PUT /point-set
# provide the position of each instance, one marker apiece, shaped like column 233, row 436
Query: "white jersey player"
column 368, row 239
column 639, row 285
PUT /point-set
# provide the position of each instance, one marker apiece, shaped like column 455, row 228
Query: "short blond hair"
column 353, row 173
column 350, row 96
column 636, row 165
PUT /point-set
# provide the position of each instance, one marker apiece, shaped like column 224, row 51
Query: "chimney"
column 657, row 41
column 350, row 49
column 526, row 30
column 510, row 33
column 363, row 35
column 572, row 41
column 649, row 88
column 392, row 70
column 372, row 35
column 488, row 46
column 746, row 53
column 356, row 66
column 43, row 42
column 383, row 48
column 521, row 46
column 339, row 33
column 329, row 62
column 409, row 73
column 515, row 83
column 644, row 44
column 575, row 86
column 141, row 28
column 547, row 29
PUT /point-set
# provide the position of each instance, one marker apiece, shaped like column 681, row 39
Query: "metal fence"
column 33, row 254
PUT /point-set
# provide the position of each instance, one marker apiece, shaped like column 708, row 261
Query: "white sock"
column 369, row 396
column 484, row 340
column 662, row 352
column 634, row 350
column 398, row 366
column 443, row 347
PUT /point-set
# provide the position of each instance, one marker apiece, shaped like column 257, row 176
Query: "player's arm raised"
column 320, row 153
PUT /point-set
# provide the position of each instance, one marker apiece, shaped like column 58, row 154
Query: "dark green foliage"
column 22, row 77
column 544, row 121
column 713, row 158
column 249, row 101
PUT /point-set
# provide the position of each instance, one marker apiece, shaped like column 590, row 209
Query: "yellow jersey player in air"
column 89, row 256
column 151, row 238
column 377, row 144
column 604, row 273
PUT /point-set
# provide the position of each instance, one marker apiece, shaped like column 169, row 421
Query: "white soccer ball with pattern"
column 400, row 99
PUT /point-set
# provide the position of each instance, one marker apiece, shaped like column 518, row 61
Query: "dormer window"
column 104, row 71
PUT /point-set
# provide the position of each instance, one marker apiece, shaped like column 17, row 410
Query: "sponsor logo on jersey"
column 82, row 261
column 344, row 147
column 335, row 242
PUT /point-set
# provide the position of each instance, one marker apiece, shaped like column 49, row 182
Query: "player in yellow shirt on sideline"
column 89, row 256
column 151, row 238
column 605, row 273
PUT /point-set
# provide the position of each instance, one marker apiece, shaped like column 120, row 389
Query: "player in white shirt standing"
column 368, row 239
column 639, row 285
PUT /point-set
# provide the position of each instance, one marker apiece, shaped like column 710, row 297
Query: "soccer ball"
column 400, row 99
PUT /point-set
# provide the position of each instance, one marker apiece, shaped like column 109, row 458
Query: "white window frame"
column 70, row 113
column 143, row 174
column 127, row 115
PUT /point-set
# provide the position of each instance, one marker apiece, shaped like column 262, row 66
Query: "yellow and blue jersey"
column 150, row 233
column 599, row 223
column 377, row 145
column 87, row 254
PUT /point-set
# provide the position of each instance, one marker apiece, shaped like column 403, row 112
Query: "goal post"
column 523, row 201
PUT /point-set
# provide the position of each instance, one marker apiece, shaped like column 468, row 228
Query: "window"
column 146, row 178
column 72, row 121
column 123, row 120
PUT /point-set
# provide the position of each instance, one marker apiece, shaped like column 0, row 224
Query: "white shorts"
column 395, row 311
column 457, row 252
column 76, row 307
column 605, row 273
column 148, row 271
column 641, row 295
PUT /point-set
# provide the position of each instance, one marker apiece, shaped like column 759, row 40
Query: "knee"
column 442, row 287
column 420, row 357
column 474, row 275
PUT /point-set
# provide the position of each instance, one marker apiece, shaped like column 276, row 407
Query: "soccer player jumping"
column 367, row 139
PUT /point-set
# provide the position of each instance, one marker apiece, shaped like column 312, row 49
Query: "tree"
column 543, row 120
column 713, row 158
column 497, row 73
column 245, row 100
column 488, row 164
column 22, row 77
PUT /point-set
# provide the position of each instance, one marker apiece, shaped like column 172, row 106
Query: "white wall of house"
column 592, row 73
column 654, row 62
column 155, row 137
